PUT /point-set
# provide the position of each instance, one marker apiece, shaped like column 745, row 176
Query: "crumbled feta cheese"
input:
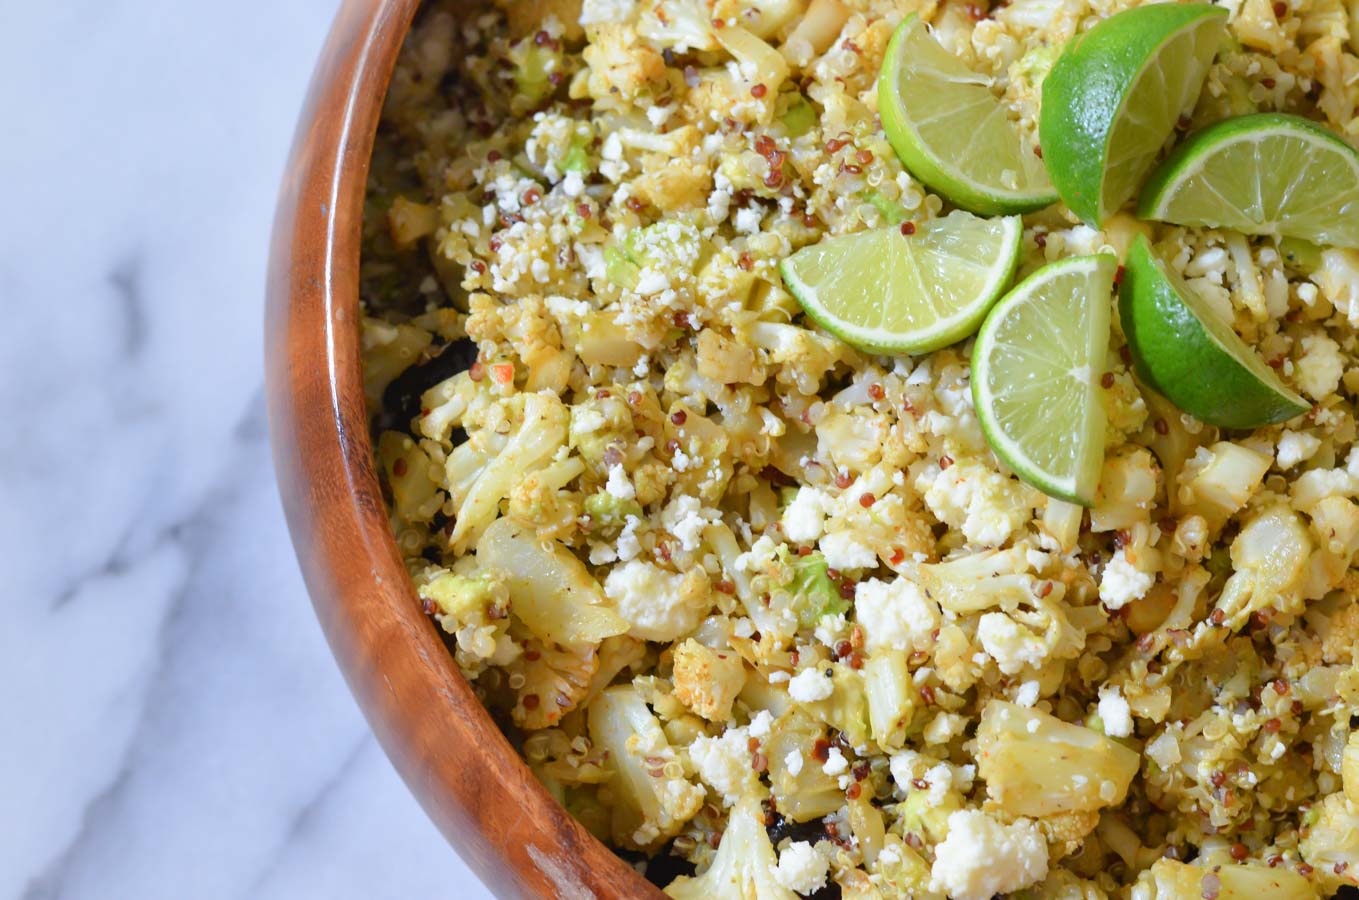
column 801, row 869
column 1121, row 582
column 1010, row 644
column 652, row 601
column 804, row 521
column 724, row 763
column 895, row 615
column 603, row 12
column 836, row 764
column 573, row 185
column 1295, row 447
column 686, row 518
column 943, row 728
column 981, row 857
column 793, row 762
column 1318, row 372
column 761, row 723
column 747, row 220
column 984, row 504
column 628, row 546
column 1027, row 695
column 1115, row 712
column 587, row 420
column 810, row 685
column 618, row 485
column 843, row 552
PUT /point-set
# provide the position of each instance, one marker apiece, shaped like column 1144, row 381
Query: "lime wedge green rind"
column 1036, row 368
column 1186, row 352
column 951, row 132
column 1268, row 173
column 889, row 292
column 1114, row 96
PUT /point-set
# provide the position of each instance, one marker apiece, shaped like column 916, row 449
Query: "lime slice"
column 1262, row 174
column 908, row 288
column 1035, row 376
column 1184, row 350
column 951, row 132
column 1113, row 98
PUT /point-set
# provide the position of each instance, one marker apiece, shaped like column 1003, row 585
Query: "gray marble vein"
column 174, row 723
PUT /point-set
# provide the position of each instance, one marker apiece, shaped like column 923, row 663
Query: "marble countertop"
column 175, row 725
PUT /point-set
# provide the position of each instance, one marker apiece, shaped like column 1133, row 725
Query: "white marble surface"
column 174, row 725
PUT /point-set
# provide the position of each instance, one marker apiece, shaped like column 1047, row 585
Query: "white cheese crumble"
column 804, row 521
column 895, row 615
column 810, row 685
column 843, row 552
column 651, row 601
column 1010, row 644
column 724, row 763
column 801, row 869
column 980, row 857
column 1115, row 712
column 618, row 485
column 1121, row 582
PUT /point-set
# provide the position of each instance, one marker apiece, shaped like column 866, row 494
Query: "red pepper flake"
column 399, row 468
column 866, row 500
column 530, row 701
column 1276, row 363
column 679, row 417
column 1118, row 274
column 875, row 391
column 804, row 551
column 1045, row 589
column 1106, row 380
column 502, row 373
column 758, row 90
column 843, row 649
column 908, row 228
column 821, row 750
column 752, row 744
column 583, row 210
column 424, row 413
column 856, row 659
column 898, row 556
column 1160, row 427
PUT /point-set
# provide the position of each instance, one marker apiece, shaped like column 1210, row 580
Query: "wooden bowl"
column 454, row 758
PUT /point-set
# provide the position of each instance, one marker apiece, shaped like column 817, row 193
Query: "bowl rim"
column 452, row 756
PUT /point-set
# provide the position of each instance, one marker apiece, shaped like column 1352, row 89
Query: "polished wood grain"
column 455, row 760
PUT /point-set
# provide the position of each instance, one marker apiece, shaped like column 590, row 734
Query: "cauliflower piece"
column 1168, row 879
column 1270, row 561
column 1331, row 837
column 1034, row 764
column 745, row 867
column 1219, row 479
column 1317, row 373
column 620, row 64
column 982, row 857
column 895, row 615
column 1338, row 279
column 706, row 680
column 652, row 798
column 556, row 678
column 475, row 609
column 1127, row 487
column 658, row 605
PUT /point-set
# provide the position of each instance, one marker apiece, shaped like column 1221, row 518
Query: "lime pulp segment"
column 1114, row 96
column 1184, row 350
column 952, row 132
column 890, row 291
column 1035, row 376
column 1268, row 174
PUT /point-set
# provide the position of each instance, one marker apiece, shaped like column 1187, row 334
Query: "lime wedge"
column 1035, row 376
column 1184, row 350
column 1113, row 98
column 1263, row 174
column 908, row 288
column 951, row 132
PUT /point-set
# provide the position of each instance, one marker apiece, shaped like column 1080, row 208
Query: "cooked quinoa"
column 765, row 610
